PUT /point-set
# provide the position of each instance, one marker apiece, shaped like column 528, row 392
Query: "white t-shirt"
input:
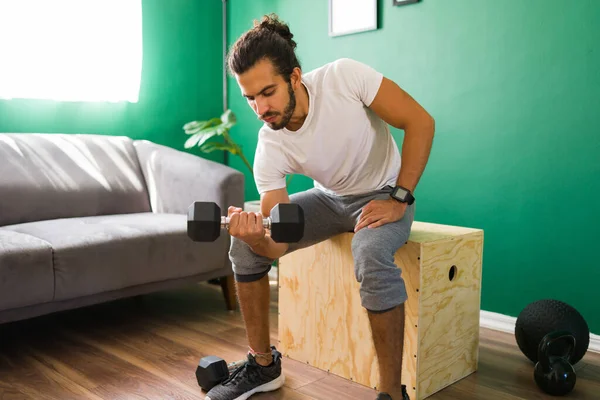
column 342, row 145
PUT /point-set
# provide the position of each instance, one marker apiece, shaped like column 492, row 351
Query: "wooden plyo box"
column 322, row 322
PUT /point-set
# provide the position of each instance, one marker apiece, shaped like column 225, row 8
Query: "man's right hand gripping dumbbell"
column 286, row 223
column 247, row 226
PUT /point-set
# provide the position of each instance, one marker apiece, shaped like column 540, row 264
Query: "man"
column 330, row 124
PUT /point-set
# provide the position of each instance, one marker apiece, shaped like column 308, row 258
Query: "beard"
column 287, row 112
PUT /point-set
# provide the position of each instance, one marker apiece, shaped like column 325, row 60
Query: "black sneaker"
column 385, row 396
column 250, row 378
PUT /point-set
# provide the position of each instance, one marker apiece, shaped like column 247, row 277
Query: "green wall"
column 181, row 81
column 513, row 86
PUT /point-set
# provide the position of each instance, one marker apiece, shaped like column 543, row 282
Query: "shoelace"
column 252, row 373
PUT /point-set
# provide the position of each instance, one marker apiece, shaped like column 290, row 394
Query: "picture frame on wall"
column 352, row 16
column 404, row 2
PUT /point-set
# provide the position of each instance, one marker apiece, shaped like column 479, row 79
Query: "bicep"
column 271, row 198
column 397, row 107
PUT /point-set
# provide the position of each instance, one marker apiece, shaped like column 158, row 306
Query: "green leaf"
column 210, row 147
column 228, row 117
column 214, row 130
column 193, row 131
column 198, row 139
column 191, row 141
column 191, row 125
column 197, row 126
column 205, row 137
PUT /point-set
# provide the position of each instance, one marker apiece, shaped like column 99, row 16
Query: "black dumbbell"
column 205, row 222
column 553, row 373
column 213, row 370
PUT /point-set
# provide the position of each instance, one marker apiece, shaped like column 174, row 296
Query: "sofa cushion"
column 104, row 253
column 47, row 176
column 26, row 275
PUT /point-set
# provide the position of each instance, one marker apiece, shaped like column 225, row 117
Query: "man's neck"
column 301, row 110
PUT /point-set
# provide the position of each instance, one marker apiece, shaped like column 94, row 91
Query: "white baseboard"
column 497, row 322
column 505, row 323
column 595, row 343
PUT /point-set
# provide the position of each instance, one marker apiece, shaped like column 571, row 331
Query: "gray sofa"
column 90, row 218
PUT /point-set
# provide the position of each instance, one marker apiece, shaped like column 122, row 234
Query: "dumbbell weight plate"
column 287, row 223
column 204, row 221
column 211, row 371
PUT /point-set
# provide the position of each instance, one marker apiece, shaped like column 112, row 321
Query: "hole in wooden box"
column 452, row 272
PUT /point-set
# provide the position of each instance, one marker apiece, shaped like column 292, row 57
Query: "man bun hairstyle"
column 269, row 39
column 272, row 23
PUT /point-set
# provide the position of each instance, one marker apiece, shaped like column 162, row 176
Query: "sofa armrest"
column 176, row 179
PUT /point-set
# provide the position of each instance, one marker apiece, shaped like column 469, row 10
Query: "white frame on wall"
column 352, row 16
column 404, row 2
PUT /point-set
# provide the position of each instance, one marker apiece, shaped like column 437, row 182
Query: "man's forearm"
column 416, row 148
column 267, row 247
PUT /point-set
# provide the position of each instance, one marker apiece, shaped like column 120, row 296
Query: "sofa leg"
column 228, row 287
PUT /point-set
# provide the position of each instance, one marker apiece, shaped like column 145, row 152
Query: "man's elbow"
column 424, row 123
column 430, row 124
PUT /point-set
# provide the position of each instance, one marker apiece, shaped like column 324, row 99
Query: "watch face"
column 400, row 193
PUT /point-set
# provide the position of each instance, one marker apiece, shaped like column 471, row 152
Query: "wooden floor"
column 148, row 348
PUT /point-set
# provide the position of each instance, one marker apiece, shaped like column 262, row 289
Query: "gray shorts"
column 326, row 215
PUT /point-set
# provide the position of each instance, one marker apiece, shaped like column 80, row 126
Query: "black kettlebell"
column 553, row 372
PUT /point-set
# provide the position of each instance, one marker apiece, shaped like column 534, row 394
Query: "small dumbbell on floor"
column 286, row 222
column 213, row 370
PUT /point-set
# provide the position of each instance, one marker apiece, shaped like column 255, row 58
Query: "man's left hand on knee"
column 380, row 212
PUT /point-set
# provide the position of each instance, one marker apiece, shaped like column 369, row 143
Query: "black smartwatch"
column 403, row 195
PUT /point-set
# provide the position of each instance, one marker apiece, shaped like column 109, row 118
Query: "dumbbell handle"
column 225, row 222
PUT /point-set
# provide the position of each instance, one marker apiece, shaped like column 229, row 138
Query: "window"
column 71, row 50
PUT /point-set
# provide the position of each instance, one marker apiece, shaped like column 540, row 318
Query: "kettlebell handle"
column 544, row 357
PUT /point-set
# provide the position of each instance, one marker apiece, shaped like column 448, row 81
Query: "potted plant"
column 200, row 132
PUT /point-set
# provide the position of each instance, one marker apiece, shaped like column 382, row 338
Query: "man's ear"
column 296, row 78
